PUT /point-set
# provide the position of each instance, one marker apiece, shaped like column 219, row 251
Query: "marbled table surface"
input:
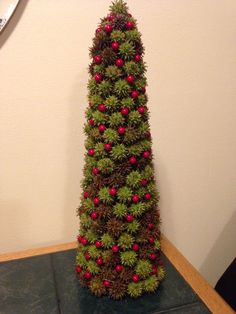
column 47, row 284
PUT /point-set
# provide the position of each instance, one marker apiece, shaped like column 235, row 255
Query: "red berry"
column 129, row 218
column 111, row 17
column 102, row 107
column 135, row 278
column 101, row 128
column 144, row 182
column 160, row 262
column 115, row 45
column 106, row 283
column 87, row 256
column 148, row 196
column 98, row 244
column 87, row 275
column 121, row 130
column 91, row 152
column 152, row 256
column 84, row 241
column 133, row 160
column 134, row 94
column 107, row 147
column 96, row 201
column 151, row 240
column 124, row 111
column 151, row 226
column 99, row 261
column 137, row 57
column 97, row 59
column 112, row 191
column 118, row 268
column 119, row 63
column 98, row 77
column 146, row 154
column 154, row 270
column 94, row 215
column 95, row 170
column 115, row 248
column 143, row 89
column 78, row 269
column 129, row 25
column 130, row 79
column 79, row 238
column 98, row 30
column 141, row 109
column 135, row 198
column 108, row 28
column 91, row 122
column 86, row 194
column 135, row 247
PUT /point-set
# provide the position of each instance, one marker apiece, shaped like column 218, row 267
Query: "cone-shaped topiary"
column 119, row 242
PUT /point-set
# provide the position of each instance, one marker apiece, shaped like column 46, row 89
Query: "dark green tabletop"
column 47, row 284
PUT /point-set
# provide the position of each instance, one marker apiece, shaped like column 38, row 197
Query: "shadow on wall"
column 75, row 155
column 211, row 267
column 13, row 22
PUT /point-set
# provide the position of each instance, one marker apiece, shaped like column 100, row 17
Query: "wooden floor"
column 207, row 294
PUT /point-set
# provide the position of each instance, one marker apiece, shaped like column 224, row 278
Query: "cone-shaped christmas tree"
column 119, row 242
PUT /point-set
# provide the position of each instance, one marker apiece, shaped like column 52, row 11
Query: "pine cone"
column 117, row 290
column 108, row 56
column 120, row 22
column 114, row 227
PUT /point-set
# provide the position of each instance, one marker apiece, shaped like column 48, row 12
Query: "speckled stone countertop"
column 47, row 284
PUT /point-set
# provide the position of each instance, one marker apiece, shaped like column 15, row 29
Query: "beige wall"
column 190, row 51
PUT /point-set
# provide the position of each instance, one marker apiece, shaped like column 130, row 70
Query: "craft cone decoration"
column 119, row 242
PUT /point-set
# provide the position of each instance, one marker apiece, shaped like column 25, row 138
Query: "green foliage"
column 142, row 99
column 91, row 236
column 111, row 136
column 135, row 149
column 94, row 134
column 89, row 143
column 80, row 259
column 99, row 117
column 99, row 150
column 88, row 113
column 124, row 194
column 105, row 88
column 113, row 72
column 157, row 245
column 133, row 226
column 128, row 258
column 126, row 241
column 117, row 35
column 133, row 179
column 119, row 6
column 127, row 102
column 122, row 88
column 135, row 289
column 141, row 82
column 119, row 152
column 127, row 50
column 98, row 68
column 105, row 165
column 116, row 119
column 148, row 172
column 93, row 251
column 133, row 68
column 92, row 87
column 134, row 118
column 85, row 220
column 161, row 273
column 112, row 103
column 95, row 100
column 150, row 284
column 107, row 241
column 137, row 209
column 105, row 196
column 93, row 267
column 133, row 35
column 88, row 204
column 143, row 268
column 120, row 210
